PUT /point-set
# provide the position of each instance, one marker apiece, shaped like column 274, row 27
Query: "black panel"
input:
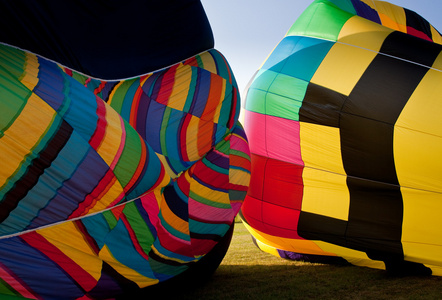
column 384, row 89
column 175, row 203
column 317, row 227
column 410, row 48
column 367, row 149
column 41, row 162
column 367, row 131
column 375, row 216
column 107, row 39
column 321, row 106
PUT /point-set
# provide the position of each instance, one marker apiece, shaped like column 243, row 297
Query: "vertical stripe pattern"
column 340, row 94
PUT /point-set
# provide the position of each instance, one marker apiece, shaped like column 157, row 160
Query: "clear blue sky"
column 246, row 31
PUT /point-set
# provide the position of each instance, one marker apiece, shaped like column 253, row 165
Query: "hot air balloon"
column 123, row 164
column 344, row 130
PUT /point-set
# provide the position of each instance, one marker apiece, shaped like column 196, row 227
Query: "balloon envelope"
column 109, row 186
column 344, row 130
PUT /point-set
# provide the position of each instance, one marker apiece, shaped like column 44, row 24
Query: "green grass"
column 248, row 273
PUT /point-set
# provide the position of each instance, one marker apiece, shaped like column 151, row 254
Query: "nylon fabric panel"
column 415, row 21
column 420, row 122
column 361, row 33
column 317, row 227
column 325, row 187
column 321, row 106
column 321, row 147
column 419, row 174
column 322, row 20
column 366, row 11
column 407, row 47
column 381, row 94
column 297, row 57
column 418, row 243
column 391, row 16
column 342, row 68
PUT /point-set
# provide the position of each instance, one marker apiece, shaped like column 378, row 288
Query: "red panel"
column 252, row 208
column 257, row 176
column 280, row 217
column 283, row 184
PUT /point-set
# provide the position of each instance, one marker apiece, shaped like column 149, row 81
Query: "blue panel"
column 47, row 186
column 82, row 113
column 25, row 261
column 128, row 98
column 298, row 56
column 203, row 86
column 366, row 11
column 120, row 245
column 153, row 128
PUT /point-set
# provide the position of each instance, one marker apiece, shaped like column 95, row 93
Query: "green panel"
column 110, row 219
column 14, row 96
column 120, row 94
column 130, row 157
column 264, row 79
column 139, row 226
column 203, row 200
column 256, row 95
column 289, row 87
column 7, row 292
column 345, row 5
column 322, row 19
column 283, row 107
column 256, row 101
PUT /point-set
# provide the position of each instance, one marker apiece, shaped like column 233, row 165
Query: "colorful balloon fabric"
column 112, row 185
column 343, row 121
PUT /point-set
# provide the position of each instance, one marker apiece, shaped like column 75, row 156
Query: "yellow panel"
column 342, row 67
column 436, row 35
column 178, row 97
column 325, row 187
column 421, row 234
column 192, row 139
column 418, row 136
column 127, row 272
column 220, row 103
column 30, row 74
column 113, row 136
column 325, row 194
column 321, row 147
column 166, row 166
column 23, row 135
column 208, row 193
column 170, row 258
column 266, row 248
column 208, row 62
column 239, row 177
column 354, row 257
column 299, row 246
column 360, row 32
column 113, row 191
column 69, row 240
column 417, row 159
column 116, row 88
column 438, row 62
column 391, row 15
column 173, row 220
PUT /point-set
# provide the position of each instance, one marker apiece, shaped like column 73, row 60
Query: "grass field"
column 248, row 273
